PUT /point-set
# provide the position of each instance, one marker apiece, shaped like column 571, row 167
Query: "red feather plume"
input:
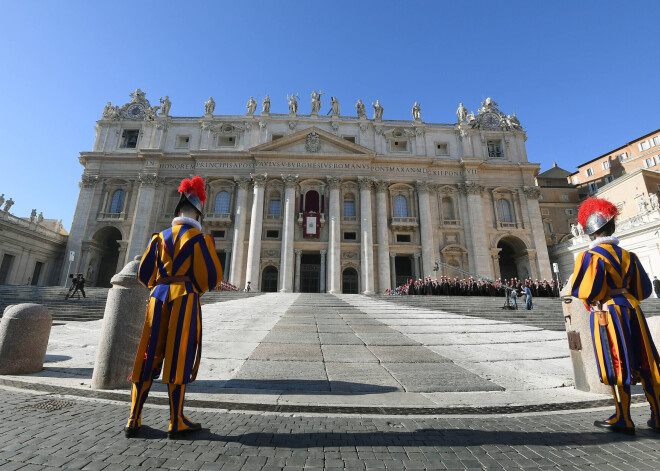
column 595, row 205
column 194, row 186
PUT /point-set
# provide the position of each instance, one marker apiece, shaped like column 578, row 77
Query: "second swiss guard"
column 178, row 266
column 612, row 283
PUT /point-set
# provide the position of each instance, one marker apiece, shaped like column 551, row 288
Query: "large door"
column 349, row 281
column 403, row 270
column 310, row 273
column 269, row 280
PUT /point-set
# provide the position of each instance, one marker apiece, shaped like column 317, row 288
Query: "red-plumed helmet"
column 192, row 192
column 594, row 213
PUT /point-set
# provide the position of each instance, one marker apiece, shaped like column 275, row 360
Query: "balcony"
column 111, row 217
column 507, row 225
column 321, row 219
column 218, row 219
column 349, row 219
column 450, row 222
column 403, row 223
column 273, row 217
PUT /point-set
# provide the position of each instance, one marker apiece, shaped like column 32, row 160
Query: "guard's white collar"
column 603, row 240
column 181, row 220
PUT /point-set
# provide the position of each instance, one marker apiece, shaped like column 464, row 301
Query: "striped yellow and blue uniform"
column 172, row 332
column 628, row 353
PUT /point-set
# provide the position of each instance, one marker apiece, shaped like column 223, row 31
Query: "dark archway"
column 349, row 281
column 310, row 272
column 312, row 201
column 512, row 264
column 269, row 280
column 403, row 269
column 107, row 241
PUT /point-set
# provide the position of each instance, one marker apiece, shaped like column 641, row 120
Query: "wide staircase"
column 547, row 312
column 90, row 308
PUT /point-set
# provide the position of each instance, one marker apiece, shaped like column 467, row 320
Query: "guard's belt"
column 617, row 291
column 168, row 280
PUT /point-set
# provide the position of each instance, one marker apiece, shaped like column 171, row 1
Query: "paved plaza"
column 297, row 381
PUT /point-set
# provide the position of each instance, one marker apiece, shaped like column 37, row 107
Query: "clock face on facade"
column 490, row 120
column 136, row 111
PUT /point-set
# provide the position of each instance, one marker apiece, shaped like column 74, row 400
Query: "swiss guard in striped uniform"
column 178, row 266
column 612, row 283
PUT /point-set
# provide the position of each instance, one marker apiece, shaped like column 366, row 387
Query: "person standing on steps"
column 528, row 298
column 612, row 283
column 179, row 265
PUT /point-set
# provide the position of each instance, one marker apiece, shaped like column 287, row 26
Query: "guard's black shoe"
column 131, row 431
column 651, row 423
column 177, row 433
column 614, row 428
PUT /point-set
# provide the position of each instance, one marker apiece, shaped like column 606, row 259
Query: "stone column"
column 538, row 236
column 334, row 237
column 479, row 252
column 288, row 229
column 392, row 270
column 123, row 248
column 382, row 238
column 416, row 268
column 240, row 218
column 366, row 236
column 256, row 222
column 225, row 273
column 322, row 281
column 298, row 257
column 144, row 213
column 80, row 220
column 426, row 229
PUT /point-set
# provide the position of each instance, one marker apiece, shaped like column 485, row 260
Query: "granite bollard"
column 122, row 326
column 24, row 333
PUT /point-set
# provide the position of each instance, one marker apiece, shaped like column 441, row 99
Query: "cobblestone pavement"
column 44, row 431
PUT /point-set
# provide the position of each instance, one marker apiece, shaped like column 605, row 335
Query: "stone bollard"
column 578, row 327
column 24, row 332
column 122, row 326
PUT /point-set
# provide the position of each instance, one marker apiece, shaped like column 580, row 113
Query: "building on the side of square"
column 643, row 152
column 315, row 202
column 31, row 248
column 559, row 201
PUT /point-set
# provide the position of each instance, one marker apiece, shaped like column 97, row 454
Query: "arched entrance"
column 269, row 279
column 349, row 281
column 404, row 270
column 107, row 243
column 512, row 258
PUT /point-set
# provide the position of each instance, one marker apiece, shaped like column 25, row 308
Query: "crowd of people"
column 475, row 287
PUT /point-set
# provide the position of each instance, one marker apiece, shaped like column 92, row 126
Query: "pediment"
column 310, row 142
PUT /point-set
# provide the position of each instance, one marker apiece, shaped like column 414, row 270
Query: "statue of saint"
column 209, row 106
column 417, row 111
column 316, row 101
column 40, row 218
column 461, row 113
column 265, row 105
column 2, row 199
column 167, row 104
column 251, row 106
column 574, row 230
column 335, row 106
column 33, row 215
column 8, row 205
column 108, row 111
column 361, row 111
column 653, row 197
column 293, row 104
column 515, row 123
column 378, row 110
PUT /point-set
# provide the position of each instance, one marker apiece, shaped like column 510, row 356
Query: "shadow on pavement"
column 288, row 386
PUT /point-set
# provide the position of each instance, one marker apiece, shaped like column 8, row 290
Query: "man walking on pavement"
column 179, row 265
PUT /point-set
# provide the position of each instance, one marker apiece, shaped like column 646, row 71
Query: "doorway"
column 349, row 281
column 269, row 280
column 403, row 269
column 108, row 239
column 310, row 273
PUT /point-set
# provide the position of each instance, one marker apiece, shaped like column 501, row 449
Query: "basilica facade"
column 314, row 202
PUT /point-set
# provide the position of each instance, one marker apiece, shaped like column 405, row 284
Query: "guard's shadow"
column 287, row 387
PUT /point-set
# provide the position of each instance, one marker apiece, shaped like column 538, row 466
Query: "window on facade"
column 593, row 188
column 548, row 227
column 441, row 148
column 605, row 164
column 656, row 141
column 495, row 149
column 272, row 234
column 504, row 210
column 400, row 207
column 590, row 172
column 622, row 156
column 609, row 178
column 569, row 212
column 222, row 202
column 349, row 206
column 274, row 205
column 650, row 162
column 399, row 146
column 448, row 208
column 182, row 142
column 644, row 145
column 403, row 238
column 350, row 235
column 350, row 139
column 117, row 203
column 226, row 141
column 129, row 138
column 564, row 197
column 218, row 234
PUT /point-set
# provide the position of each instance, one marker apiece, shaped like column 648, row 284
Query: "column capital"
column 242, row 182
column 290, row 181
column 259, row 180
column 298, row 252
column 148, row 179
column 324, row 251
column 334, row 182
column 392, row 254
column 471, row 188
column 532, row 192
column 417, row 255
column 227, row 250
column 382, row 185
column 365, row 183
column 423, row 186
column 89, row 181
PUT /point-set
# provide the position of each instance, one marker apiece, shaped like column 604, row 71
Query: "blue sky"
column 581, row 75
